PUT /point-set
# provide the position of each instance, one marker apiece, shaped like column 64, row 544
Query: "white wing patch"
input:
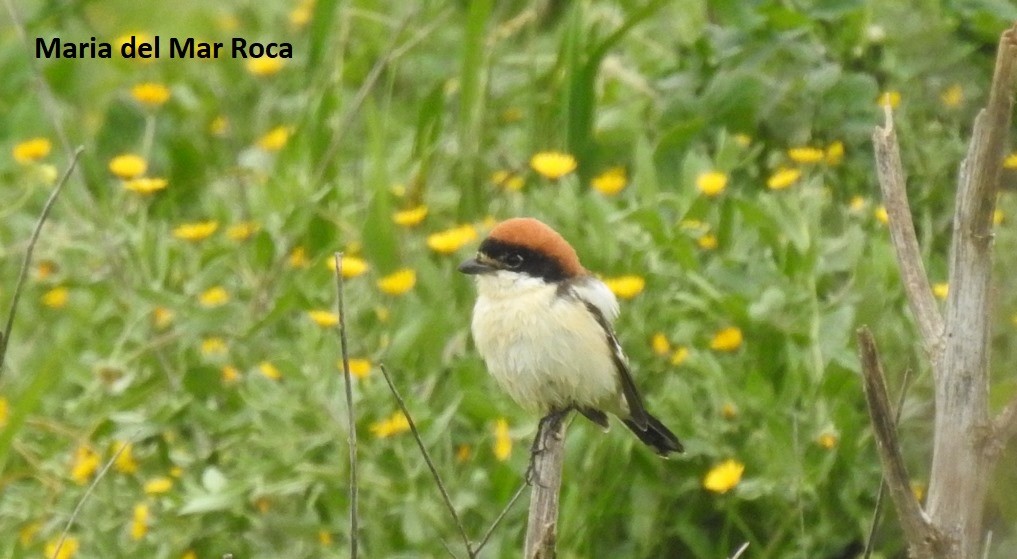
column 597, row 293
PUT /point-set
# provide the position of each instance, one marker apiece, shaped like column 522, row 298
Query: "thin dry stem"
column 430, row 464
column 350, row 414
column 88, row 492
column 548, row 460
column 501, row 516
column 5, row 337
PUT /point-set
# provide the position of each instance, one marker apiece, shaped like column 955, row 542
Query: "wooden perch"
column 965, row 442
column 548, row 459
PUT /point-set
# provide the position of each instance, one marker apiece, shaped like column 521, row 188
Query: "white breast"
column 546, row 350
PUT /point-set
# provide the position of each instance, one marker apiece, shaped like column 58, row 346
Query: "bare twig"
column 882, row 484
column 902, row 235
column 548, row 460
column 501, row 516
column 27, row 262
column 921, row 535
column 959, row 476
column 91, row 487
column 740, row 550
column 430, row 464
column 350, row 415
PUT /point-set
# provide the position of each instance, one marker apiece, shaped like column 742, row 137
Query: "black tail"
column 655, row 435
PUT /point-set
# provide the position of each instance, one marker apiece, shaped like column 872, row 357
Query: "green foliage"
column 387, row 107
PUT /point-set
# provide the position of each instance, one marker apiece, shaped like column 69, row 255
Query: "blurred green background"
column 181, row 301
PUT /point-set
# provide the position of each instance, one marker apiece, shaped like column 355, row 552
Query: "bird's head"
column 524, row 247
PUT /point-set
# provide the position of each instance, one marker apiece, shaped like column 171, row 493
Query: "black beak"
column 474, row 266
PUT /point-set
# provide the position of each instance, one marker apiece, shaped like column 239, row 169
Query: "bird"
column 543, row 325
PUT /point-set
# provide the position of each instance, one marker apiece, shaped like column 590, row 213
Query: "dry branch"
column 922, row 537
column 902, row 234
column 548, row 459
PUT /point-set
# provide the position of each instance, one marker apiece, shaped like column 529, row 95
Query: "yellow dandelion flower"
column 660, row 344
column 553, row 164
column 219, row 126
column 176, row 471
column 298, row 258
column 953, row 96
column 124, row 462
column 611, row 181
column 213, row 346
column 502, row 441
column 26, row 535
column 508, row 180
column 806, row 155
column 139, row 521
column 742, row 140
column 145, row 185
column 54, row 550
column 711, row 183
column 998, row 217
column 5, row 411
column 264, row 66
column 881, row 215
column 827, row 440
column 214, row 297
column 728, row 411
column 31, row 151
column 393, row 425
column 399, row 282
column 834, row 153
column 352, row 266
column 196, row 231
column 359, row 368
column 891, row 98
column 161, row 317
column 275, row 139
column 707, row 242
column 324, row 537
column 463, row 453
column 301, row 15
column 727, row 339
column 941, row 290
column 724, row 476
column 128, row 166
column 681, row 353
column 1010, row 162
column 242, row 231
column 84, row 465
column 323, row 318
column 857, row 204
column 918, row 490
column 150, row 94
column 158, row 486
column 783, row 178
column 56, row 298
column 626, row 287
column 451, row 240
column 229, row 374
column 410, row 217
column 269, row 370
column 189, row 554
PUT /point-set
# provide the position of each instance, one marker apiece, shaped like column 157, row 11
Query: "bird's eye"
column 514, row 260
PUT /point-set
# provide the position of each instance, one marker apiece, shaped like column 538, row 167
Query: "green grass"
column 391, row 107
